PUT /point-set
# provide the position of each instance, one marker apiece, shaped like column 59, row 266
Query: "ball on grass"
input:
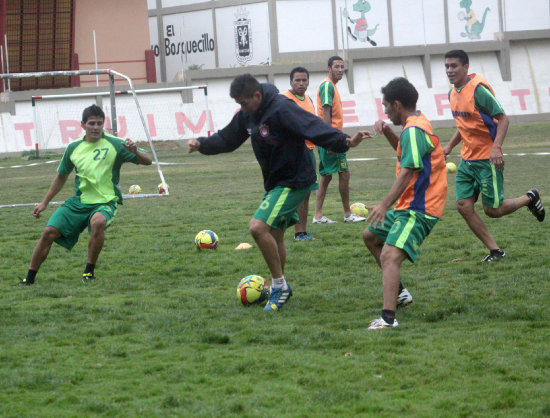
column 134, row 189
column 206, row 240
column 162, row 188
column 253, row 290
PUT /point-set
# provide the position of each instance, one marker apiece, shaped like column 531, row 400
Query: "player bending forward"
column 278, row 129
column 420, row 190
column 96, row 159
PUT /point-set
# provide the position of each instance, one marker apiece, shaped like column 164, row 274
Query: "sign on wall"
column 519, row 17
column 473, row 20
column 188, row 43
column 418, row 22
column 297, row 34
column 362, row 24
column 243, row 35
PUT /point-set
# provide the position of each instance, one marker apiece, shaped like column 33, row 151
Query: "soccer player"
column 420, row 189
column 329, row 108
column 278, row 129
column 299, row 81
column 96, row 159
column 481, row 126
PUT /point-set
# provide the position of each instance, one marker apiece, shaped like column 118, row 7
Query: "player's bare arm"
column 193, row 145
column 377, row 213
column 57, row 184
column 456, row 138
column 358, row 138
column 382, row 128
column 496, row 157
column 143, row 157
column 327, row 116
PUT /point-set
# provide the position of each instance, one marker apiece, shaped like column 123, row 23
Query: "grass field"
column 161, row 333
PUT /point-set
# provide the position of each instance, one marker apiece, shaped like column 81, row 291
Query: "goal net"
column 162, row 114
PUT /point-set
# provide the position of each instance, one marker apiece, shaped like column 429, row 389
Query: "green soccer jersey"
column 415, row 144
column 97, row 167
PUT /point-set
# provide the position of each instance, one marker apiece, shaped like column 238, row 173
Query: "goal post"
column 111, row 109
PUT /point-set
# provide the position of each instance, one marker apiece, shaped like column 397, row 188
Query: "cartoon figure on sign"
column 361, row 32
column 473, row 26
column 243, row 36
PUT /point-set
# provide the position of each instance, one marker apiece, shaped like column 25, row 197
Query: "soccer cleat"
column 303, row 237
column 352, row 217
column 277, row 298
column 323, row 220
column 535, row 205
column 88, row 277
column 25, row 282
column 404, row 298
column 380, row 323
column 495, row 255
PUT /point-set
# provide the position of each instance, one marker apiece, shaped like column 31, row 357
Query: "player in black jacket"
column 278, row 129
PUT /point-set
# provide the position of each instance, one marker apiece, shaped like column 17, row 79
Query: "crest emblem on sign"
column 264, row 131
column 243, row 35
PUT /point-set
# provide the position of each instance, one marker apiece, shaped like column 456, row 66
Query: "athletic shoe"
column 352, row 217
column 535, row 205
column 303, row 237
column 380, row 323
column 323, row 220
column 495, row 255
column 25, row 282
column 404, row 298
column 277, row 298
column 88, row 277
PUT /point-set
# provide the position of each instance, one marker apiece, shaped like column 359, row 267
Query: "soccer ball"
column 451, row 168
column 359, row 209
column 206, row 239
column 162, row 188
column 134, row 189
column 253, row 290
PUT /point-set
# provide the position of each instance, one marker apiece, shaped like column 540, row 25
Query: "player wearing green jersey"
column 96, row 159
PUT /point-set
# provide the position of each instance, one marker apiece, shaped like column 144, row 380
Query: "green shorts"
column 405, row 229
column 278, row 209
column 473, row 177
column 332, row 163
column 72, row 217
column 315, row 185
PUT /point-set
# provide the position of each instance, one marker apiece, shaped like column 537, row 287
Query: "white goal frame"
column 112, row 93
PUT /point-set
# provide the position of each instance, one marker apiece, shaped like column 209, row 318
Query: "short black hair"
column 334, row 58
column 460, row 54
column 400, row 89
column 244, row 85
column 92, row 110
column 298, row 70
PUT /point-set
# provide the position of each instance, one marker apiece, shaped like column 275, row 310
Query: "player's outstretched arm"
column 358, row 138
column 57, row 184
column 382, row 128
column 193, row 145
column 143, row 157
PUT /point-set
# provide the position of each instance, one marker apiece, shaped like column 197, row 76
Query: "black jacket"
column 278, row 131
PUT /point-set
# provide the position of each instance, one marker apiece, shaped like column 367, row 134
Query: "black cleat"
column 25, row 282
column 495, row 255
column 88, row 277
column 535, row 205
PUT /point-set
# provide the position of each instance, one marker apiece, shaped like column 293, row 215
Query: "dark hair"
column 92, row 110
column 460, row 54
column 334, row 58
column 244, row 86
column 298, row 70
column 400, row 89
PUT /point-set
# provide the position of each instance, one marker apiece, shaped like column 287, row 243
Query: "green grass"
column 161, row 332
